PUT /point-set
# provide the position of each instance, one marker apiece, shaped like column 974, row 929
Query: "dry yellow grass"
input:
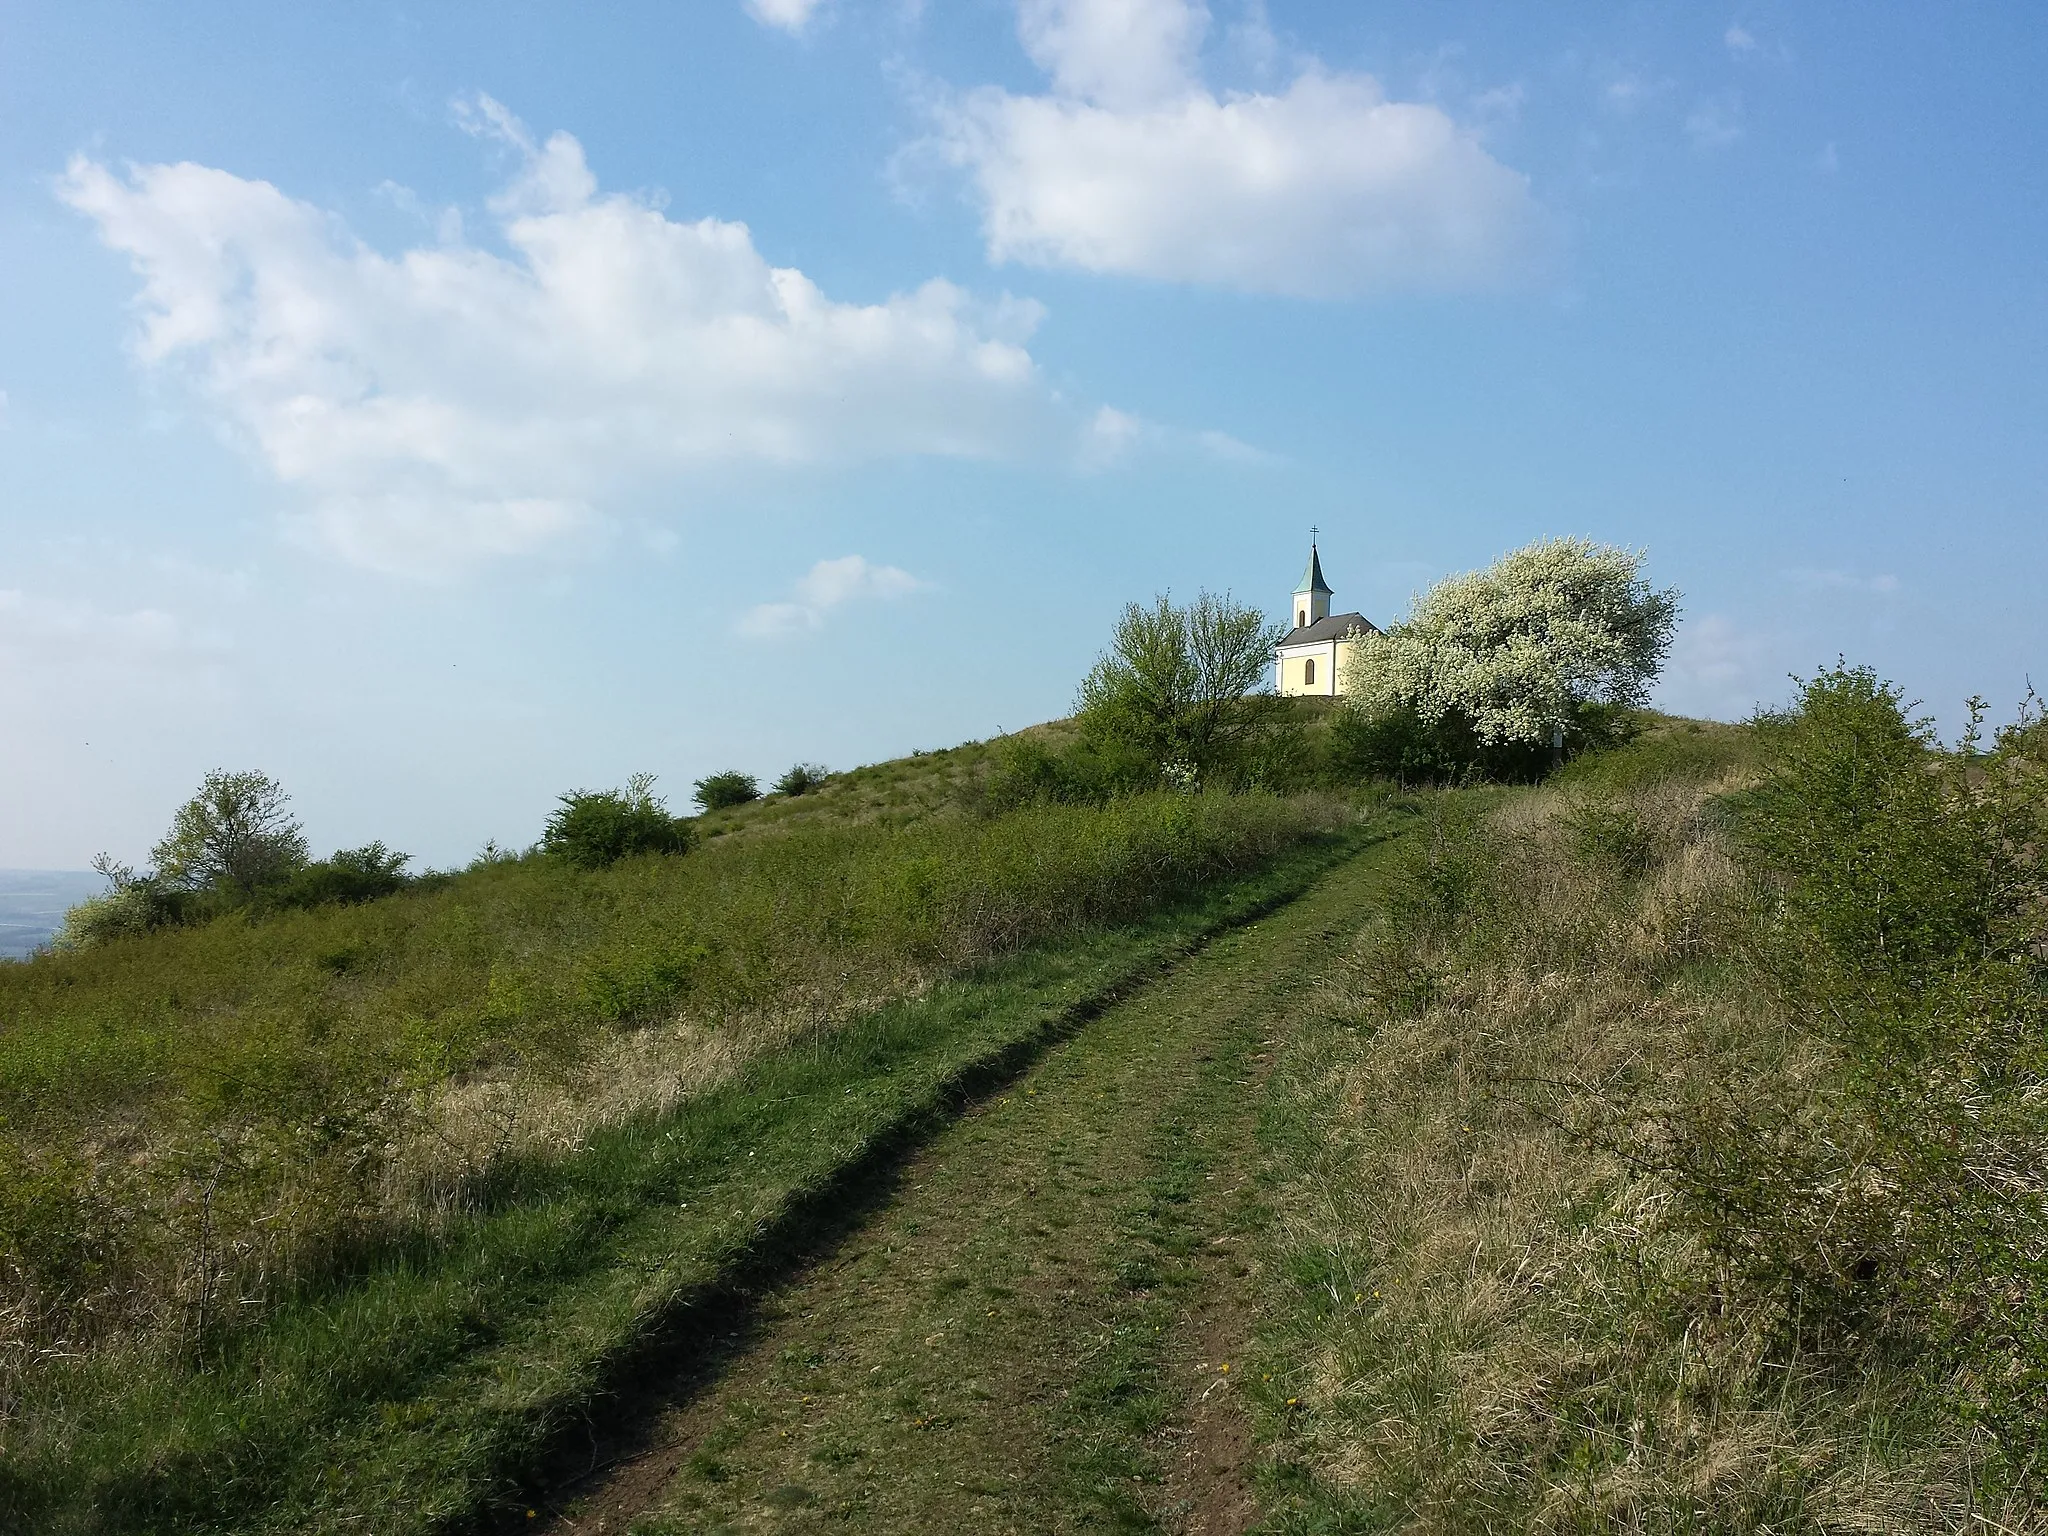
column 1502, row 1324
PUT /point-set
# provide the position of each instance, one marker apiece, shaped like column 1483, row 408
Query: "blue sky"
column 443, row 408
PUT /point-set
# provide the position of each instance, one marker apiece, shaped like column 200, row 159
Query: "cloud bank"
column 828, row 585
column 457, row 402
column 1132, row 164
column 790, row 16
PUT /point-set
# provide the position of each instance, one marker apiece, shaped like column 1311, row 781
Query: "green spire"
column 1312, row 578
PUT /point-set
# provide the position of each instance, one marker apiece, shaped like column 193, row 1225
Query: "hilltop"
column 1380, row 1113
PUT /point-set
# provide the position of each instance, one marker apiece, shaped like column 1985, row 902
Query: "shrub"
column 1024, row 770
column 1398, row 743
column 1490, row 666
column 352, row 874
column 594, row 828
column 133, row 904
column 1902, row 924
column 1177, row 688
column 801, row 779
column 720, row 791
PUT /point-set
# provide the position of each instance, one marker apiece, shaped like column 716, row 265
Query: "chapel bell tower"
column 1312, row 597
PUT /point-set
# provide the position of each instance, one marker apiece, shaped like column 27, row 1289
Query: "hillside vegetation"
column 1668, row 1156
column 215, row 1137
column 1647, row 1135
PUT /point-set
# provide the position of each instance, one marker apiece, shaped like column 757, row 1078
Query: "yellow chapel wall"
column 1330, row 659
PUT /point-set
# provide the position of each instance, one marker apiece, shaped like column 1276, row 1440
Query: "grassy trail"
column 1038, row 1333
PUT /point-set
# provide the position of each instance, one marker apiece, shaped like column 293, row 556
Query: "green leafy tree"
column 593, row 828
column 236, row 836
column 719, row 791
column 1541, row 642
column 802, row 779
column 1181, row 689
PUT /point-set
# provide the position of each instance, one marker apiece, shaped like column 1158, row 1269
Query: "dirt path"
column 1037, row 1333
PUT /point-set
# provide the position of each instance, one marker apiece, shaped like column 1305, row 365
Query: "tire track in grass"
column 1036, row 1333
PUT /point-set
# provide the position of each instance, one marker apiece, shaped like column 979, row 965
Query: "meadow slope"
column 333, row 1212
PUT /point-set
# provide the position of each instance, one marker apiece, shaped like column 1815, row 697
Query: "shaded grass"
column 400, row 1391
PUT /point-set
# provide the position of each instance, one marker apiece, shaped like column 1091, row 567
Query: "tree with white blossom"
column 1515, row 654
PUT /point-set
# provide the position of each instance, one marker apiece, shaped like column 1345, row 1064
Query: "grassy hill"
column 1597, row 1206
column 405, row 1176
column 1655, row 1148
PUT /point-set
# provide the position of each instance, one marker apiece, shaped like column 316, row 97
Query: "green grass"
column 1021, row 1338
column 407, row 1380
column 195, row 1121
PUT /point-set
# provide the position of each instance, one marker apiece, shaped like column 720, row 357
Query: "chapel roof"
column 1335, row 627
column 1312, row 578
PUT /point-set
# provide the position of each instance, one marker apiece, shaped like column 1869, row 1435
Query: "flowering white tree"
column 1517, row 650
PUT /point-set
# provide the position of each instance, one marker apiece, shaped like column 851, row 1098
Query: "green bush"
column 1395, row 742
column 1903, row 899
column 591, row 829
column 1024, row 770
column 352, row 874
column 232, row 847
column 721, row 791
column 1178, row 697
column 801, row 779
column 137, row 904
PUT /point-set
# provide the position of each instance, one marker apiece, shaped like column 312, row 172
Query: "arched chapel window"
column 1308, row 673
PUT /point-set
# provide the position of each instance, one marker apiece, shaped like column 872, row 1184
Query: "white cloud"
column 1132, row 164
column 1844, row 581
column 1628, row 91
column 1716, row 122
column 1718, row 668
column 1116, row 53
column 37, row 627
column 1746, row 47
column 1111, row 437
column 1114, row 437
column 790, row 16
column 68, row 655
column 827, row 586
column 1828, row 161
column 451, row 403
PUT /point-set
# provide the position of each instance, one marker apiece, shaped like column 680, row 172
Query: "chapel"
column 1310, row 656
